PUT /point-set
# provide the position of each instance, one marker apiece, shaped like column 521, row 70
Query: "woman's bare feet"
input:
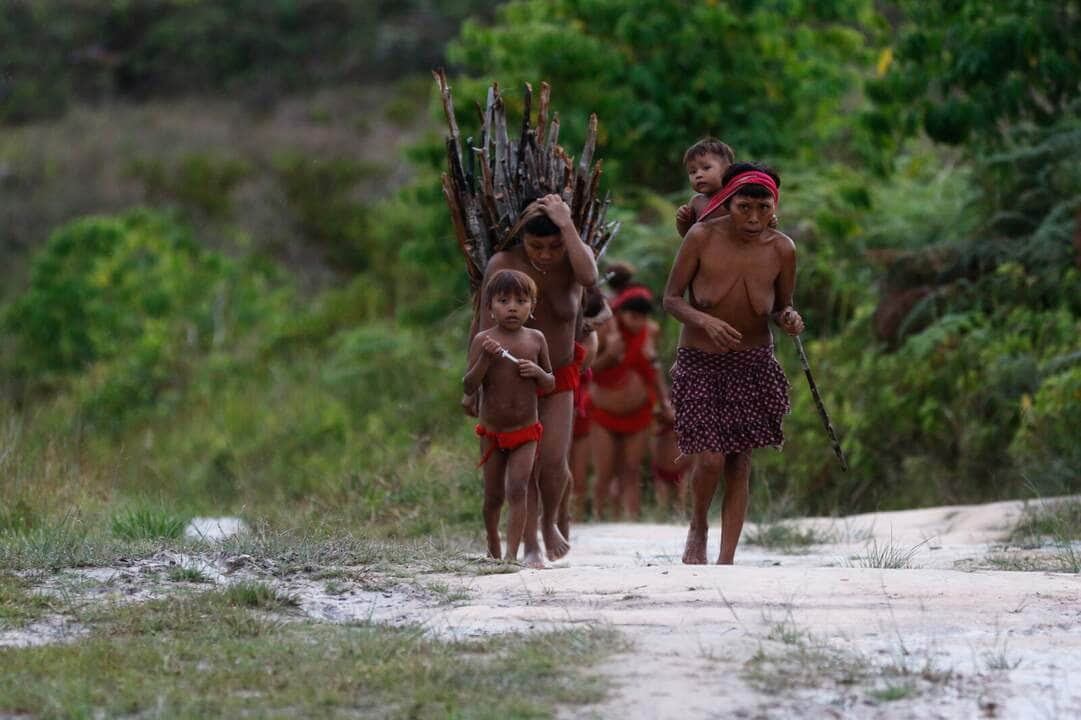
column 554, row 543
column 534, row 560
column 695, row 551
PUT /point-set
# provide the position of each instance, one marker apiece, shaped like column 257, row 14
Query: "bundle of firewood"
column 489, row 183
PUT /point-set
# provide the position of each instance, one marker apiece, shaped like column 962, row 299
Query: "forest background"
column 229, row 284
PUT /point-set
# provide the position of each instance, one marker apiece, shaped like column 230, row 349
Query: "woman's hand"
column 556, row 210
column 790, row 321
column 721, row 333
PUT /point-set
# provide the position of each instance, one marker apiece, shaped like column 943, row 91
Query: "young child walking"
column 508, row 363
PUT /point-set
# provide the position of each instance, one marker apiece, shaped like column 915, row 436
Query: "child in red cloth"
column 509, row 363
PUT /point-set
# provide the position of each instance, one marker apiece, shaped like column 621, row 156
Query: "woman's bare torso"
column 735, row 282
column 633, row 391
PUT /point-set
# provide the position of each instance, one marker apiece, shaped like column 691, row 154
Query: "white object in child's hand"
column 507, row 355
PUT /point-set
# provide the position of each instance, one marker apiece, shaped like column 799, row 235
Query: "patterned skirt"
column 728, row 402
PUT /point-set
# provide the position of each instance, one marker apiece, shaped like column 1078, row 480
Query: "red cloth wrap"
column 630, row 293
column 509, row 440
column 581, row 405
column 633, row 360
column 629, row 424
column 751, row 177
column 673, row 477
column 568, row 377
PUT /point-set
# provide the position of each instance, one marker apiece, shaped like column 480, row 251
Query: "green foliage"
column 766, row 77
column 53, row 52
column 198, row 181
column 969, row 68
column 1046, row 447
column 118, row 306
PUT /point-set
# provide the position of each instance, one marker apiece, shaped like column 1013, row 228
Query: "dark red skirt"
column 728, row 402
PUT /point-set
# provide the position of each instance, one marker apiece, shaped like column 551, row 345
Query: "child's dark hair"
column 751, row 190
column 709, row 146
column 619, row 276
column 637, row 304
column 510, row 282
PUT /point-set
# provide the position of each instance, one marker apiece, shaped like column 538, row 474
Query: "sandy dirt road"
column 803, row 635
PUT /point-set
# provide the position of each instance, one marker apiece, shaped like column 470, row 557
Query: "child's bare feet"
column 554, row 542
column 695, row 551
column 534, row 560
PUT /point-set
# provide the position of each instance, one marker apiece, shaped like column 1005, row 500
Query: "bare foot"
column 564, row 526
column 695, row 551
column 554, row 543
column 534, row 560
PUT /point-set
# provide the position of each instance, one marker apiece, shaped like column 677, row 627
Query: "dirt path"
column 783, row 635
column 779, row 635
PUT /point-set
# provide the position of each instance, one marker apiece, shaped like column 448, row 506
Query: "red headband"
column 751, row 177
column 637, row 291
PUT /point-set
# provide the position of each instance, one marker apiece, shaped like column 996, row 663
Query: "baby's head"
column 706, row 162
column 510, row 297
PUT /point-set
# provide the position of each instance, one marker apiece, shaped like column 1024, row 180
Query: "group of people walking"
column 558, row 370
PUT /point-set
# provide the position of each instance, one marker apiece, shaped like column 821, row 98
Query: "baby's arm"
column 541, row 371
column 687, row 215
column 481, row 351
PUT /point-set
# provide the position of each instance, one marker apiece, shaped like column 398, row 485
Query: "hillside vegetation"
column 230, row 283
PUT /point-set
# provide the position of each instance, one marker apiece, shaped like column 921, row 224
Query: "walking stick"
column 818, row 402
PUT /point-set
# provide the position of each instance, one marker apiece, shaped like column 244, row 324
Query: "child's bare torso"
column 558, row 298
column 508, row 401
column 735, row 282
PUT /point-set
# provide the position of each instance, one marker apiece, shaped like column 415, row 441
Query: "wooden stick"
column 818, row 403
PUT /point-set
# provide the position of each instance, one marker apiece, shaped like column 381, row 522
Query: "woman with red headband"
column 626, row 387
column 732, row 275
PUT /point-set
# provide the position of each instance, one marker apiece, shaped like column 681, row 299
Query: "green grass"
column 889, row 556
column 18, row 605
column 253, row 594
column 1059, row 521
column 147, row 523
column 207, row 656
column 785, row 536
column 186, row 574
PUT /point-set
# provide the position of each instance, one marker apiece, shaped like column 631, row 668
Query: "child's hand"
column 685, row 215
column 491, row 346
column 791, row 322
column 530, row 369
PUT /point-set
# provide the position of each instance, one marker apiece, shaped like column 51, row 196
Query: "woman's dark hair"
column 541, row 226
column 751, row 190
column 510, row 282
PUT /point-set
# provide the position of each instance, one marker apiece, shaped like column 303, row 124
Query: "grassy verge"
column 18, row 605
column 220, row 654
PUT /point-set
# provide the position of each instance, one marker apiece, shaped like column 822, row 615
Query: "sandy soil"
column 779, row 635
column 831, row 640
